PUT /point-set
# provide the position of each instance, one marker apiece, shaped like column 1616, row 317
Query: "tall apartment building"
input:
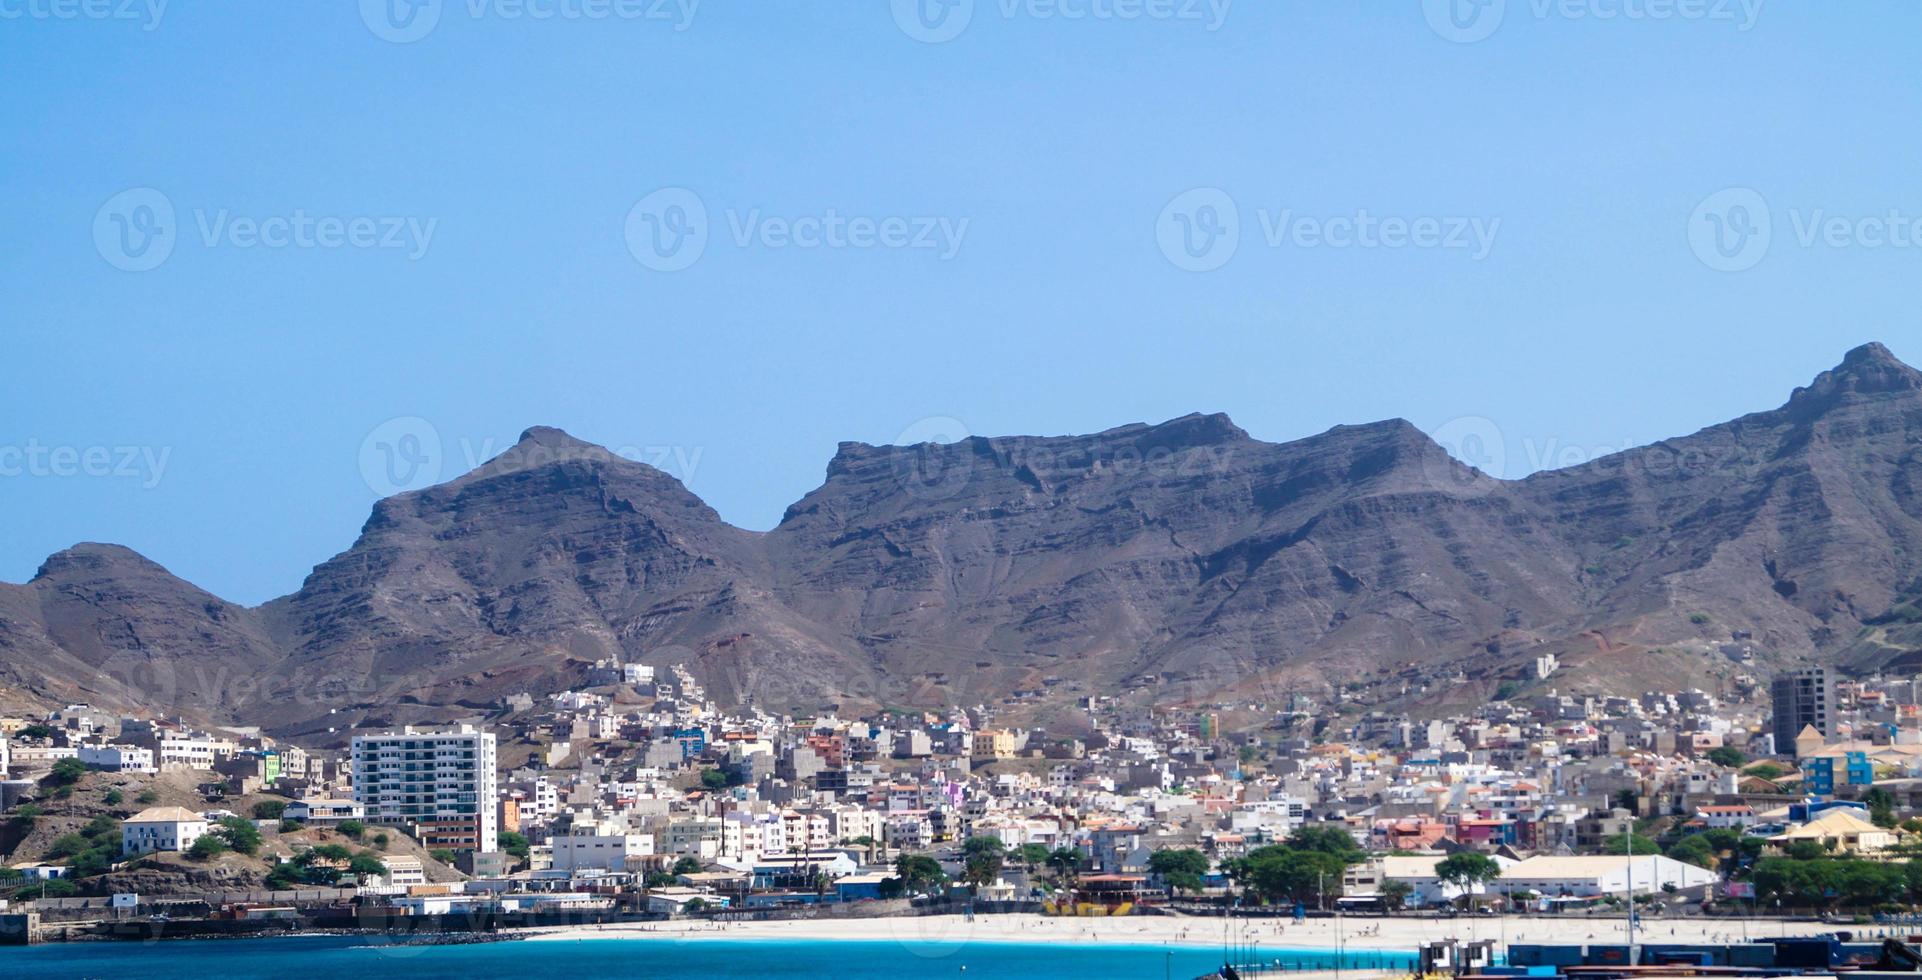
column 440, row 783
column 1801, row 697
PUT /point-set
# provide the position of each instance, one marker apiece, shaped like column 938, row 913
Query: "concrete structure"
column 117, row 758
column 602, row 852
column 1551, row 877
column 1801, row 698
column 325, row 813
column 439, row 782
column 162, row 828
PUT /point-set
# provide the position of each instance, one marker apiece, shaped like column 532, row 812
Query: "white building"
column 404, row 871
column 193, row 751
column 439, row 782
column 696, row 837
column 597, row 851
column 1551, row 877
column 162, row 828
column 325, row 813
column 1426, row 888
column 117, row 758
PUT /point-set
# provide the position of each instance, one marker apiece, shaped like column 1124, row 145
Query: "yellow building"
column 993, row 744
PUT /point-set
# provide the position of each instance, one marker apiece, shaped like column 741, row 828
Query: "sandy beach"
column 1399, row 934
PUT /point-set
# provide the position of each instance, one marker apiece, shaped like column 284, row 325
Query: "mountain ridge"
column 1178, row 561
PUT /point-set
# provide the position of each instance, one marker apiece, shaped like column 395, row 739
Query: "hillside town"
column 636, row 794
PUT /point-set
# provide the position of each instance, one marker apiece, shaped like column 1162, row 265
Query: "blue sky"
column 253, row 254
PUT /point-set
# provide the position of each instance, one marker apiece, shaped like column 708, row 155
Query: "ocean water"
column 350, row 958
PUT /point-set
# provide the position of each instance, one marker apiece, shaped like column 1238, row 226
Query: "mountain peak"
column 1869, row 370
column 1878, row 369
column 547, row 435
column 90, row 555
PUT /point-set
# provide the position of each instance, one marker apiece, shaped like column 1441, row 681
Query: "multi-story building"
column 1802, row 698
column 165, row 828
column 438, row 782
column 116, row 758
column 597, row 849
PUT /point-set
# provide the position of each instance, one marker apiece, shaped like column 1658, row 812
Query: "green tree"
column 1629, row 844
column 713, row 779
column 351, row 829
column 1278, row 873
column 982, row 860
column 24, row 817
column 1694, row 849
column 918, row 872
column 1394, row 894
column 441, row 854
column 270, row 809
column 1327, row 839
column 1727, row 756
column 147, row 797
column 515, row 844
column 1032, row 856
column 207, row 847
column 366, row 865
column 1180, row 869
column 57, row 888
column 1467, row 871
column 1065, row 862
column 687, row 866
column 325, row 852
column 1881, row 804
column 66, row 772
column 112, row 798
column 239, row 834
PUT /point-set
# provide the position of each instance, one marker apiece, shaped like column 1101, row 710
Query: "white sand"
column 1402, row 934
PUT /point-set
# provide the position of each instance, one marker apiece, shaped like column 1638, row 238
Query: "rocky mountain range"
column 1179, row 563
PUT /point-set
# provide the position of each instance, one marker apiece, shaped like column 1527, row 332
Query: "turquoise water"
column 341, row 958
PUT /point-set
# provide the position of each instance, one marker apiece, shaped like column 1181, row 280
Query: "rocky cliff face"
column 1180, row 561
